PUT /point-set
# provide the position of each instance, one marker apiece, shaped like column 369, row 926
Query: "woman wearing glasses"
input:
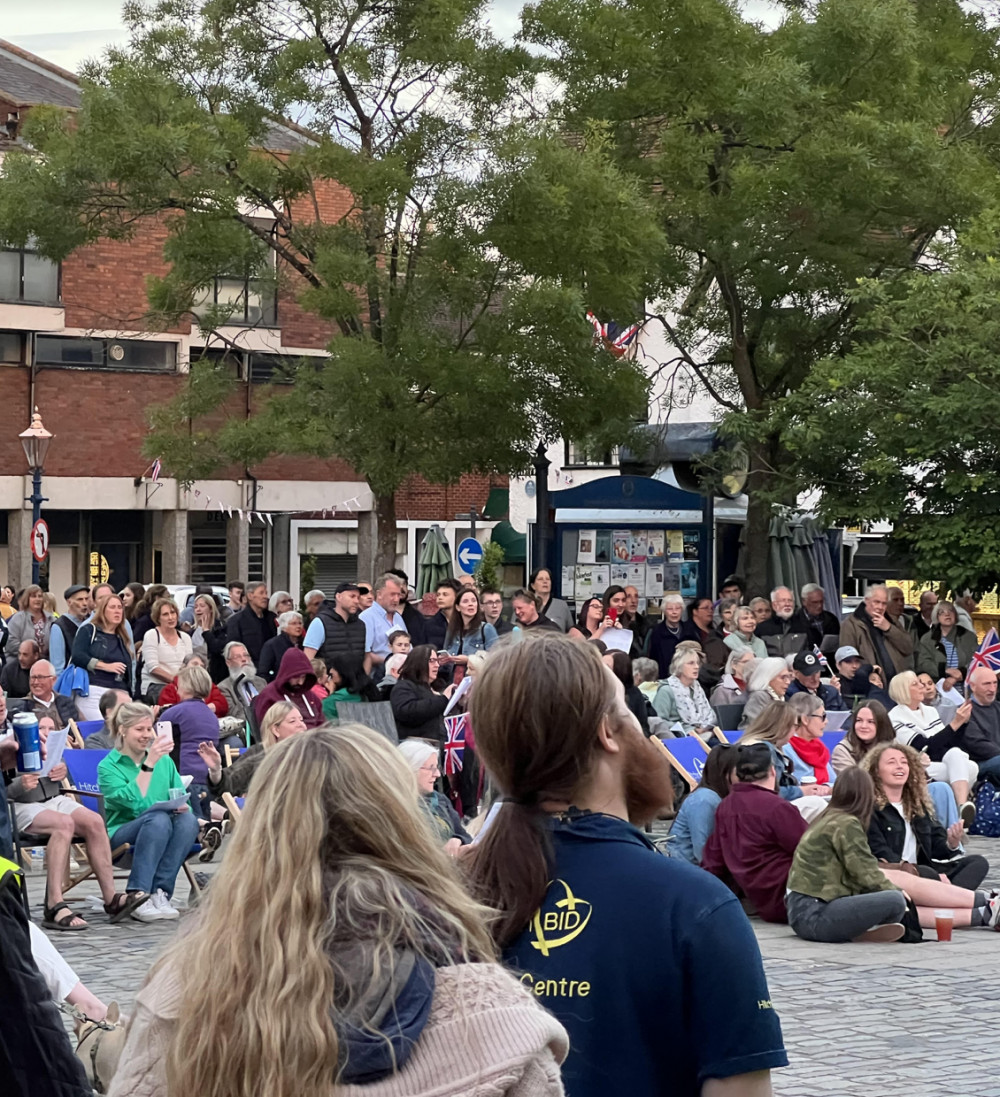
column 418, row 710
column 809, row 755
column 444, row 822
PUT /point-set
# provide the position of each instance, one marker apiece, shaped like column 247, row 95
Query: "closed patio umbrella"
column 435, row 561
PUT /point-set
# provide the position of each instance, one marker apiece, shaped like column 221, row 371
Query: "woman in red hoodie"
column 294, row 682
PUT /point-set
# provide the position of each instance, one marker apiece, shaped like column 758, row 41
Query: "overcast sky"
column 87, row 26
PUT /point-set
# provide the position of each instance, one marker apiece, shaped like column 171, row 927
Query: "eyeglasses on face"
column 430, row 767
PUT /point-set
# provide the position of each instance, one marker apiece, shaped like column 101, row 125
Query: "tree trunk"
column 756, row 545
column 384, row 511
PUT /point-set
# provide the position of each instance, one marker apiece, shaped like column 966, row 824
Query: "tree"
column 787, row 165
column 903, row 428
column 458, row 280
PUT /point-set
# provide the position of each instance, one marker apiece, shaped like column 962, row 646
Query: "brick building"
column 73, row 344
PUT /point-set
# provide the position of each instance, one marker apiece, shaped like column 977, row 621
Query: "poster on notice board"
column 586, row 546
column 689, row 578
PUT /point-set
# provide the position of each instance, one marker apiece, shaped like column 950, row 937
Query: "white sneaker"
column 162, row 903
column 148, row 912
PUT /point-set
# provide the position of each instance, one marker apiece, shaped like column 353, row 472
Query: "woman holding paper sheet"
column 134, row 779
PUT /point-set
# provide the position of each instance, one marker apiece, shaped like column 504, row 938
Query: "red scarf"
column 814, row 753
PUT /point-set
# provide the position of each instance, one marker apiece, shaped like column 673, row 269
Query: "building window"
column 11, row 348
column 578, row 456
column 144, row 355
column 271, row 369
column 27, row 278
column 252, row 302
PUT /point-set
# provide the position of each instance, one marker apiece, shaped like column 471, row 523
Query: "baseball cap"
column 75, row 589
column 805, row 663
column 342, row 587
column 846, row 652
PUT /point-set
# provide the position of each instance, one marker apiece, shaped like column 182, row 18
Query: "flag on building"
column 156, row 469
column 454, row 747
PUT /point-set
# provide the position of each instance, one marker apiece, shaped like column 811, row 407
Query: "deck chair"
column 234, row 804
column 231, row 754
column 87, row 728
column 729, row 716
column 376, row 715
column 687, row 755
column 82, row 767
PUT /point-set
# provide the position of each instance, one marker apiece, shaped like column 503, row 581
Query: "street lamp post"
column 543, row 524
column 35, row 442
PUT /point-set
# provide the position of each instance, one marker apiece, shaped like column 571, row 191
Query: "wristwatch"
column 146, row 769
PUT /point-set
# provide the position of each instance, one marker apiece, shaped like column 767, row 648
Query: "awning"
column 497, row 505
column 878, row 560
column 514, row 544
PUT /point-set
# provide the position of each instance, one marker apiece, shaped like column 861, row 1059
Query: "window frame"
column 21, row 299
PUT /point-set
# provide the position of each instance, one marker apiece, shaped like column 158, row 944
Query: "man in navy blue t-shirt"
column 648, row 962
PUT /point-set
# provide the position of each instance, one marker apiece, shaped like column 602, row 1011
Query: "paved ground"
column 859, row 1020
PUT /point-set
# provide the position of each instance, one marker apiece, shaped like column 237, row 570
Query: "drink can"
column 29, row 747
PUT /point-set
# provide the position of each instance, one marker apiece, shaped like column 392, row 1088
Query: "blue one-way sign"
column 470, row 552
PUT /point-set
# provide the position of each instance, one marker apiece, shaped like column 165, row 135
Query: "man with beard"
column 242, row 684
column 573, row 879
column 782, row 612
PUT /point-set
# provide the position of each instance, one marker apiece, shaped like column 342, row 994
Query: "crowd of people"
column 414, row 909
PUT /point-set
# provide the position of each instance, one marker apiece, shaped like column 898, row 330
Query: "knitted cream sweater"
column 486, row 1037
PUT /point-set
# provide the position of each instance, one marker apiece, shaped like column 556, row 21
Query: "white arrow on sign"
column 467, row 556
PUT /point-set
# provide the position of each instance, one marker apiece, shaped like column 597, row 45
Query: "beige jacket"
column 486, row 1037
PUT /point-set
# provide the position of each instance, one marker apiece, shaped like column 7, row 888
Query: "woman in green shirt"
column 836, row 890
column 133, row 778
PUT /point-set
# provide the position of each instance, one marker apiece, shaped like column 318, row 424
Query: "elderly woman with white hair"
column 442, row 818
column 920, row 726
column 733, row 689
column 768, row 682
column 741, row 636
column 680, row 700
column 290, row 633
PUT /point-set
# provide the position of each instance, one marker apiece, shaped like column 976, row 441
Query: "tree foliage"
column 904, row 428
column 457, row 280
column 788, row 164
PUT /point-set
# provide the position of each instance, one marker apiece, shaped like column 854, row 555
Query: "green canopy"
column 435, row 561
column 514, row 544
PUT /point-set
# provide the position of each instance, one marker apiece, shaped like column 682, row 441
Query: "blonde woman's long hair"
column 916, row 798
column 331, row 847
column 274, row 715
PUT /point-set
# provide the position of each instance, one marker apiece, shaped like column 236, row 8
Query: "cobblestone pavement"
column 859, row 1020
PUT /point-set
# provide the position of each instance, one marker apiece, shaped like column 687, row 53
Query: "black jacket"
column 36, row 1059
column 65, row 707
column 418, row 710
column 416, row 623
column 436, row 629
column 342, row 637
column 251, row 631
column 14, row 679
column 271, row 653
column 828, row 625
column 887, row 833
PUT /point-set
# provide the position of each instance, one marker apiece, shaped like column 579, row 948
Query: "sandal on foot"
column 123, row 903
column 51, row 919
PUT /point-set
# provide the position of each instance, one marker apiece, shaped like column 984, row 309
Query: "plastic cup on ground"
column 943, row 922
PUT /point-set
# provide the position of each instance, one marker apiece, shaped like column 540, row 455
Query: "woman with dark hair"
column 589, row 624
column 418, row 710
column 348, row 682
column 142, row 619
column 696, row 819
column 557, row 611
column 836, row 891
column 614, row 599
column 904, row 828
column 31, row 622
column 131, row 595
column 621, row 666
column 869, row 726
column 468, row 630
column 698, row 626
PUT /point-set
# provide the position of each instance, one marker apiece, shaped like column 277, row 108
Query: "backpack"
column 987, row 801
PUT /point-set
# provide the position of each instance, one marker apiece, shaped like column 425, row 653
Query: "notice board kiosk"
column 630, row 531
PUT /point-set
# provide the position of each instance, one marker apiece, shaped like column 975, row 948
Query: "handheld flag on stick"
column 988, row 654
column 454, row 747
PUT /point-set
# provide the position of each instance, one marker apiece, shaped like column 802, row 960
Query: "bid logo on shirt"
column 567, row 921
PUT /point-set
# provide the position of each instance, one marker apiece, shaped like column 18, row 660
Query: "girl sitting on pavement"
column 696, row 819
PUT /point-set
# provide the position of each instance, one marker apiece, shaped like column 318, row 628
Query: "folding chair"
column 231, row 754
column 87, row 728
column 832, row 738
column 82, row 767
column 376, row 715
column 729, row 715
column 687, row 756
column 234, row 804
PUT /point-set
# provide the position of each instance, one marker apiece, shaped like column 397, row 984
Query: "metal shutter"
column 331, row 570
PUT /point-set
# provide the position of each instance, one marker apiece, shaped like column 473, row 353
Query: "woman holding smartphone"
column 133, row 778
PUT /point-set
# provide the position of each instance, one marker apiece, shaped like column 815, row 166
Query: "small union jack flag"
column 156, row 469
column 820, row 657
column 454, row 747
column 615, row 337
column 988, row 654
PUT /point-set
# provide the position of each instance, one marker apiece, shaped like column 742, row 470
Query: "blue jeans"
column 160, row 841
column 200, row 801
column 990, row 768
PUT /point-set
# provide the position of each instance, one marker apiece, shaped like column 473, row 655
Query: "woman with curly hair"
column 337, row 949
column 903, row 829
